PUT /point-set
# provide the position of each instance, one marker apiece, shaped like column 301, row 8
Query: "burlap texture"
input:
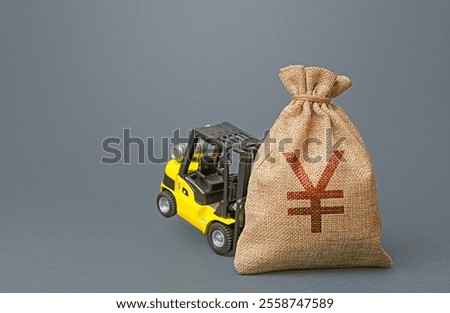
column 284, row 229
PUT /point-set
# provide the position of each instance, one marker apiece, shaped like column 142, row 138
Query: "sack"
column 311, row 199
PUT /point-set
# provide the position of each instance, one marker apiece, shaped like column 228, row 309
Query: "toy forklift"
column 206, row 182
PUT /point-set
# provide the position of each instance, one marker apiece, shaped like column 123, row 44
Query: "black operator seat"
column 208, row 170
column 206, row 165
column 206, row 183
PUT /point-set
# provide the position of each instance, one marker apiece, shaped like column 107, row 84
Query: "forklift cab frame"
column 213, row 182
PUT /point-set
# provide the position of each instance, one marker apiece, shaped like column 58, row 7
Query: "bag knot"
column 311, row 98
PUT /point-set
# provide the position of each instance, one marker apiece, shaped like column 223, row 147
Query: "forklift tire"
column 220, row 238
column 166, row 204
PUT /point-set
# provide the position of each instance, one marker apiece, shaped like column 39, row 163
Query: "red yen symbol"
column 315, row 193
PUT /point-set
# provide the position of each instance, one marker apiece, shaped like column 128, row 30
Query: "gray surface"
column 75, row 72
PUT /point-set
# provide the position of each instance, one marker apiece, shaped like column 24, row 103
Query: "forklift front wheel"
column 167, row 204
column 220, row 238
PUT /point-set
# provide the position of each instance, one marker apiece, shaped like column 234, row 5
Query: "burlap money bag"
column 311, row 199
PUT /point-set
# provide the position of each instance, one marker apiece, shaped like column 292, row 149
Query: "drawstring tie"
column 311, row 98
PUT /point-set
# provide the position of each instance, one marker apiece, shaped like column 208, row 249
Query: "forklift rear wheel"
column 220, row 238
column 167, row 204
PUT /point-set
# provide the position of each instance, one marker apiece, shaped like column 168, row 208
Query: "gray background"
column 75, row 72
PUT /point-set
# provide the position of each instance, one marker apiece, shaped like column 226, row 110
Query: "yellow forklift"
column 206, row 182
